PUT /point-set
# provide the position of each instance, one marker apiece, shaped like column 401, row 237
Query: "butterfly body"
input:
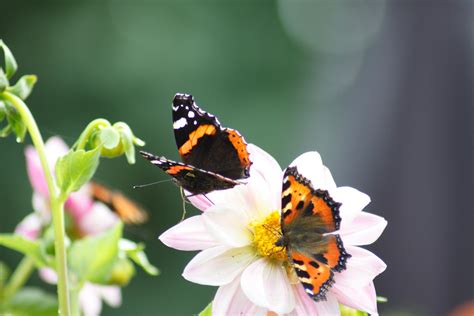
column 214, row 157
column 308, row 219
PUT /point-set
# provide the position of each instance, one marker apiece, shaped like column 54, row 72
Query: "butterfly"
column 214, row 157
column 128, row 211
column 308, row 218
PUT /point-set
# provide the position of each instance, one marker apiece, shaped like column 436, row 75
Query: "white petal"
column 353, row 202
column 364, row 229
column 311, row 167
column 55, row 148
column 231, row 300
column 30, row 226
column 190, row 234
column 267, row 285
column 362, row 268
column 329, row 307
column 228, row 226
column 41, row 206
column 269, row 169
column 304, row 305
column 89, row 300
column 97, row 220
column 218, row 265
column 363, row 299
column 112, row 295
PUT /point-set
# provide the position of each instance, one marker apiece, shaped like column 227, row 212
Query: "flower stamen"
column 265, row 235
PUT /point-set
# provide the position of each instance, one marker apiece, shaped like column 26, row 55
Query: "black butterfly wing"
column 205, row 144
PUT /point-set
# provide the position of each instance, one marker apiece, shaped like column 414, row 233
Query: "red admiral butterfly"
column 214, row 157
column 307, row 218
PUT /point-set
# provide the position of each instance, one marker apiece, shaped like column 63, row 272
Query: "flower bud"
column 122, row 272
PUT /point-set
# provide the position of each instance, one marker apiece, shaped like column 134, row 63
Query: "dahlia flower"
column 237, row 234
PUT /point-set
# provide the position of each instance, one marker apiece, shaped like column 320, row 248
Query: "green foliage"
column 381, row 299
column 3, row 81
column 207, row 311
column 4, row 274
column 14, row 122
column 122, row 272
column 76, row 168
column 348, row 311
column 92, row 258
column 10, row 63
column 24, row 86
column 32, row 302
column 25, row 246
column 136, row 252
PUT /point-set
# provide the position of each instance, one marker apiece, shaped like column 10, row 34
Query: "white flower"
column 237, row 235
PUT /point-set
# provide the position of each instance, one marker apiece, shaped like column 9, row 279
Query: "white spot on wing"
column 191, row 114
column 180, row 123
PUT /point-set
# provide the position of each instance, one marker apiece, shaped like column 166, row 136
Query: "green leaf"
column 76, row 168
column 24, row 86
column 92, row 258
column 207, row 311
column 4, row 273
column 3, row 111
column 32, row 302
column 10, row 63
column 3, row 80
column 135, row 252
column 23, row 245
column 15, row 122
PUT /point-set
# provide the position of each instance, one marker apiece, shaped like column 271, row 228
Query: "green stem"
column 75, row 308
column 57, row 206
column 19, row 277
column 89, row 130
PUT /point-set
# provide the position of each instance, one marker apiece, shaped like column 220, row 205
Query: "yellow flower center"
column 265, row 234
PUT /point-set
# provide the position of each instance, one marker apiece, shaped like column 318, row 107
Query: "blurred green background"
column 382, row 89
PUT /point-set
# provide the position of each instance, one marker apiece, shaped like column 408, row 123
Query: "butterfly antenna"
column 139, row 186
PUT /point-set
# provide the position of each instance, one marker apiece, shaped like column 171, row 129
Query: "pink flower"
column 237, row 235
column 89, row 218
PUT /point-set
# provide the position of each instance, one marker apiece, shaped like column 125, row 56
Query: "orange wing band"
column 194, row 138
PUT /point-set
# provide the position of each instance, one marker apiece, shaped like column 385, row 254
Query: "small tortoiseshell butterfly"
column 308, row 216
column 214, row 157
column 128, row 211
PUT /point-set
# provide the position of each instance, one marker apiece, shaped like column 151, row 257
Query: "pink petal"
column 363, row 299
column 199, row 201
column 80, row 203
column 55, row 148
column 190, row 234
column 30, row 226
column 219, row 265
column 35, row 172
column 89, row 300
column 362, row 268
column 228, row 226
column 48, row 275
column 311, row 167
column 231, row 300
column 98, row 220
column 112, row 295
column 41, row 206
column 364, row 229
column 266, row 284
column 353, row 202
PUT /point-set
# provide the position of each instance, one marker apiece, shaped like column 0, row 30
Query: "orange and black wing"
column 315, row 276
column 129, row 211
column 202, row 141
column 190, row 178
column 300, row 200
